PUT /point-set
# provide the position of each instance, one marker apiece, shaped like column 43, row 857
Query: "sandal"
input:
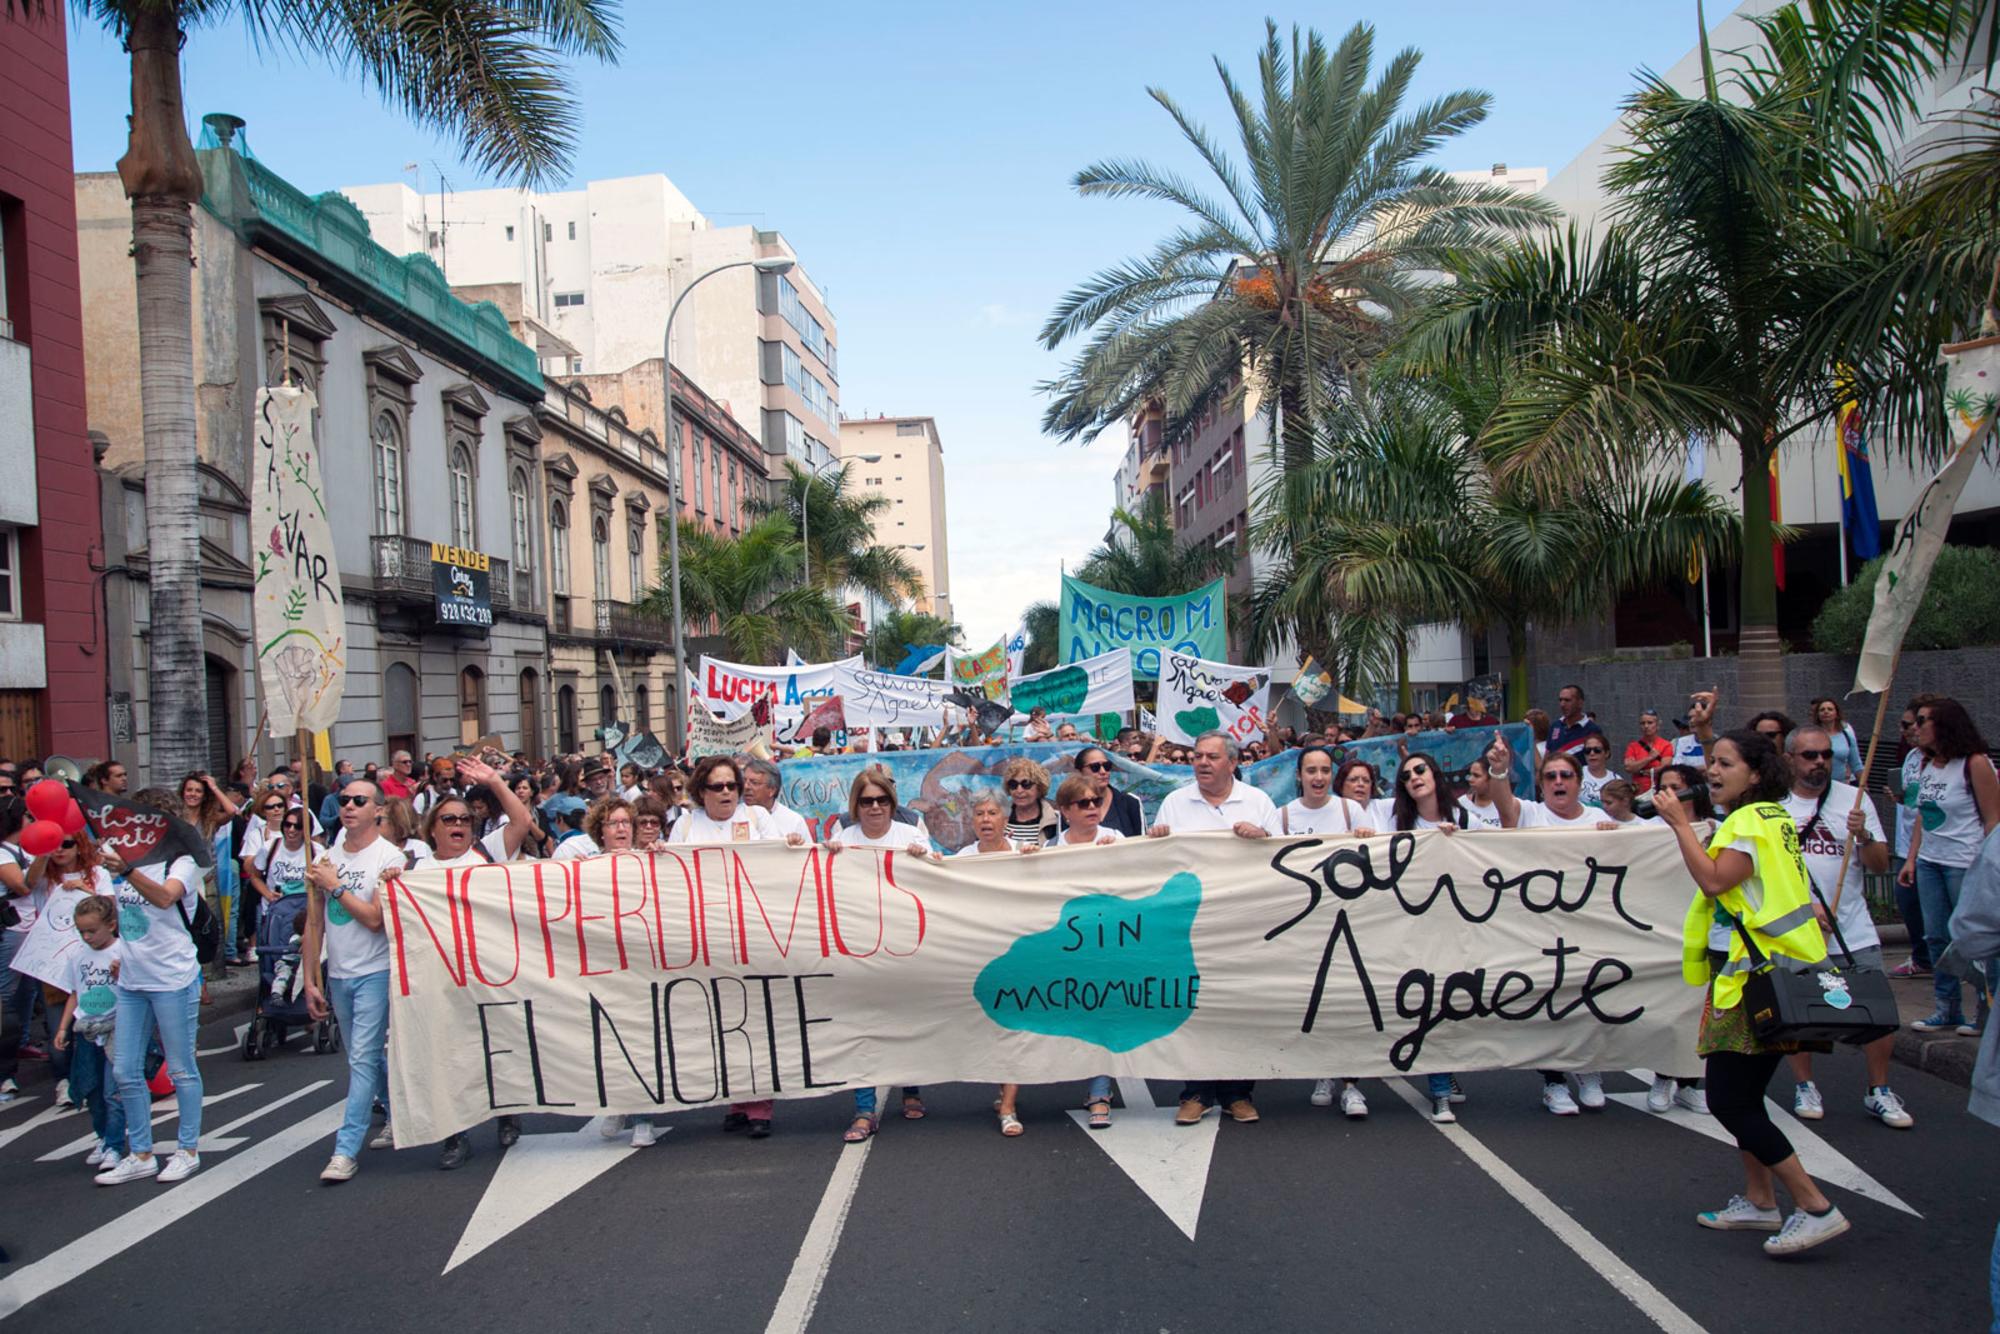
column 1100, row 1115
column 1010, row 1125
column 913, row 1109
column 863, row 1128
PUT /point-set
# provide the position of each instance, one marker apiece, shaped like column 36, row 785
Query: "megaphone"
column 66, row 768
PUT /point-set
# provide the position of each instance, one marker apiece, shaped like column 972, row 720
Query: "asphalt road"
column 1513, row 1219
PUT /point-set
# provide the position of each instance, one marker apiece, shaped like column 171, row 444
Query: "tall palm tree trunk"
column 1402, row 673
column 1760, row 679
column 163, row 179
column 1519, row 664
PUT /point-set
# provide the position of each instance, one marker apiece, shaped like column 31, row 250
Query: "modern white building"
column 908, row 470
column 601, row 266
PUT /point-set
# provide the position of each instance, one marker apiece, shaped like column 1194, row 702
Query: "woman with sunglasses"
column 448, row 828
column 651, row 815
column 872, row 823
column 1597, row 770
column 989, row 829
column 56, row 882
column 1125, row 813
column 1423, row 800
column 158, row 987
column 265, row 832
column 209, row 809
column 281, row 868
column 723, row 816
column 1958, row 800
column 1031, row 818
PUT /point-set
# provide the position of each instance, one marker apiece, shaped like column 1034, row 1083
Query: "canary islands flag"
column 1857, row 485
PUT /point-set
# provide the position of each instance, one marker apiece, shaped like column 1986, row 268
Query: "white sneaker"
column 1807, row 1105
column 1660, row 1097
column 1694, row 1099
column 1803, row 1232
column 1739, row 1215
column 1888, row 1108
column 62, row 1094
column 385, row 1138
column 129, row 1168
column 1590, row 1090
column 180, row 1167
column 1457, row 1093
column 610, row 1126
column 1352, row 1104
column 643, row 1134
column 8, row 1086
column 1556, row 1098
column 100, row 1156
column 1441, row 1111
column 1322, row 1095
column 339, row 1168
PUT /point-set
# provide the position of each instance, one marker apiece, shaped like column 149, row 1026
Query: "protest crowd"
column 116, row 1028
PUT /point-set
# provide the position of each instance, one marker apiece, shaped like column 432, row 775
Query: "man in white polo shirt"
column 1216, row 801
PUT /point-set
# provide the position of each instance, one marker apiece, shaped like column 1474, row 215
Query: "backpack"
column 204, row 928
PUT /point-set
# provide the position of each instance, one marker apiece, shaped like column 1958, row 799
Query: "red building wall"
column 59, row 557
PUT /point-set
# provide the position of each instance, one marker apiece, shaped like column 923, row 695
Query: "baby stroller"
column 281, row 992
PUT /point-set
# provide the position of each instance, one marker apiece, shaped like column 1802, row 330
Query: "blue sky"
column 919, row 158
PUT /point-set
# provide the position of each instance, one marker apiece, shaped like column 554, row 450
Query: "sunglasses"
column 272, row 806
column 720, row 787
column 1101, row 767
column 872, row 801
column 68, row 845
column 1815, row 754
column 1595, row 750
column 1923, row 718
column 1907, row 724
column 454, row 819
column 1088, row 803
column 291, row 825
column 1416, row 771
column 1022, row 785
column 357, row 800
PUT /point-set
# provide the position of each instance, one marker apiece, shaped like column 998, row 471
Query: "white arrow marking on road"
column 539, row 1172
column 167, row 1205
column 1167, row 1161
column 76, row 1148
column 1822, row 1161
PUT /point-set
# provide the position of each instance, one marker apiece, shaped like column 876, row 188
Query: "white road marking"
column 237, row 1045
column 539, row 1172
column 78, row 1147
column 1823, row 1162
column 802, row 1286
column 1626, row 1280
column 1168, row 1161
column 44, row 1117
column 168, row 1205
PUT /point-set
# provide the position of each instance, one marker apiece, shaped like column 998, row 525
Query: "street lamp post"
column 770, row 264
column 813, row 474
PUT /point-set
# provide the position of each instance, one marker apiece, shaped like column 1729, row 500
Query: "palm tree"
column 1044, row 623
column 841, row 534
column 750, row 588
column 1299, row 268
column 1404, row 517
column 1718, row 302
column 1146, row 559
column 483, row 70
column 896, row 632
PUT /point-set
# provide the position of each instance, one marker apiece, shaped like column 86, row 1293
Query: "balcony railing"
column 623, row 623
column 403, row 573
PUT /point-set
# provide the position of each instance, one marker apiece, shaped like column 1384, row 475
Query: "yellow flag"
column 323, row 751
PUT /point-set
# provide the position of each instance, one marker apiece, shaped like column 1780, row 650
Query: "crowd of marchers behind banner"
column 118, row 1029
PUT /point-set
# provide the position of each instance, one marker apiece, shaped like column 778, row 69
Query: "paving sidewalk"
column 1946, row 1055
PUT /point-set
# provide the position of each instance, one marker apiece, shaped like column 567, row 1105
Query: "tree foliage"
column 840, row 526
column 1147, row 558
column 751, row 589
column 1961, row 606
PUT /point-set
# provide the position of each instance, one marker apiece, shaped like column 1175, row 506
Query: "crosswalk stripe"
column 167, row 1109
column 168, row 1205
column 44, row 1117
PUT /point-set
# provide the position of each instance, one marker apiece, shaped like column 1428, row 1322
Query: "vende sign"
column 638, row 983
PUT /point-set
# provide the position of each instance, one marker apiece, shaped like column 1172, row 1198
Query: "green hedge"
column 1961, row 608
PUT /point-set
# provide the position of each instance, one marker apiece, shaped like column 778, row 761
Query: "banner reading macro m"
column 633, row 983
column 1095, row 621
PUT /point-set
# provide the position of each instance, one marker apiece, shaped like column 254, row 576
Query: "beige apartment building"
column 909, row 470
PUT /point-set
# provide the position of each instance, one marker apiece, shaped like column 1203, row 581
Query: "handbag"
column 1847, row 1003
column 204, row 928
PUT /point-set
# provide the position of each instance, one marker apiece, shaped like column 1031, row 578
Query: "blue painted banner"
column 941, row 785
column 1096, row 620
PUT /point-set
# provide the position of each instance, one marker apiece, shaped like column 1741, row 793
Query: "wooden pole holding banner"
column 1861, row 788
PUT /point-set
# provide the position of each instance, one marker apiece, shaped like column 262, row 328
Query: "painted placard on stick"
column 709, row 735
column 707, row 975
column 984, row 672
column 872, row 698
column 1096, row 685
column 1198, row 696
column 295, row 600
column 1096, row 621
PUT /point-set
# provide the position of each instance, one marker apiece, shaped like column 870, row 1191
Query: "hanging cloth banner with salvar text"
column 295, row 605
column 638, row 983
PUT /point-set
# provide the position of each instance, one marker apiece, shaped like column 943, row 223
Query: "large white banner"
column 296, row 602
column 634, row 983
column 1102, row 684
column 1198, row 696
column 876, row 698
column 730, row 688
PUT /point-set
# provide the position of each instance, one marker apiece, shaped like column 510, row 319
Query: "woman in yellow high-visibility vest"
column 1750, row 871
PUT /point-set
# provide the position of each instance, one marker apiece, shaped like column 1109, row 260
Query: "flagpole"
column 1707, row 625
column 1861, row 787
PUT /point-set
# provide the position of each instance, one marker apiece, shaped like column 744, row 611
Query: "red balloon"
column 71, row 819
column 41, row 838
column 47, row 799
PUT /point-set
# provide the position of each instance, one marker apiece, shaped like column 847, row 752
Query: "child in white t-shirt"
column 90, row 970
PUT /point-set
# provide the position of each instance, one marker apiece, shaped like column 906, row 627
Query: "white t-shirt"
column 972, row 849
column 1186, row 811
column 786, row 822
column 1338, row 816
column 286, row 873
column 898, row 837
column 495, row 844
column 1477, row 816
column 748, row 824
column 576, row 846
column 1688, row 750
column 1906, row 801
column 1536, row 815
column 352, row 950
column 1103, row 832
column 24, row 905
column 1592, row 785
column 1821, row 846
column 1952, row 831
column 85, row 973
column 159, row 953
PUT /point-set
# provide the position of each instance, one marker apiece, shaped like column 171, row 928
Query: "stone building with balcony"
column 431, row 443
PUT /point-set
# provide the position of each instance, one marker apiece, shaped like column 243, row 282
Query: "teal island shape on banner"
column 1114, row 972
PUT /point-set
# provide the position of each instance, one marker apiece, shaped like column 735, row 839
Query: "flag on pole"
column 1972, row 375
column 1857, row 484
column 1312, row 683
column 1017, row 649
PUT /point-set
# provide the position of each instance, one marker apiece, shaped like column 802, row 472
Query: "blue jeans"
column 362, row 1006
column 1911, row 909
column 89, row 1084
column 1937, row 890
column 1440, row 1086
column 176, row 1014
column 1993, row 1282
column 864, row 1098
column 1100, row 1089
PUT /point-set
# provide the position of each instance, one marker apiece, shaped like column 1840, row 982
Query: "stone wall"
column 1615, row 692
